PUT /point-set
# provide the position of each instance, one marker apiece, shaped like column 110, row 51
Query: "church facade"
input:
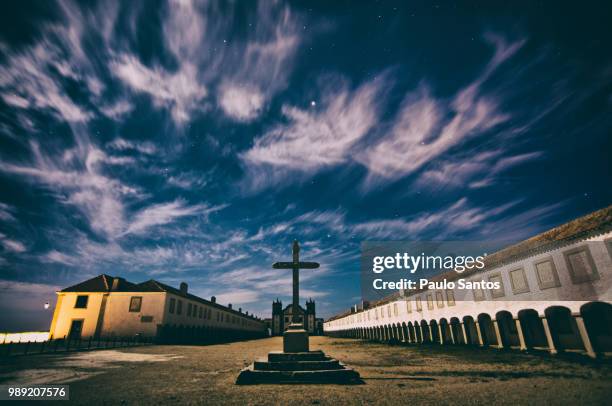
column 107, row 306
column 281, row 318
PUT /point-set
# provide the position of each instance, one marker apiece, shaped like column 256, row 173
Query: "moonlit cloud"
column 318, row 138
column 240, row 103
column 7, row 212
column 474, row 170
column 426, row 127
column 120, row 144
column 177, row 91
column 81, row 177
column 11, row 245
column 60, row 258
column 247, row 71
column 28, row 81
column 164, row 213
column 458, row 217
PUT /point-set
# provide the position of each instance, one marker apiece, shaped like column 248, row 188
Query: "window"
column 382, row 312
column 389, row 310
column 479, row 294
column 547, row 274
column 172, row 305
column 409, row 306
column 395, row 309
column 188, row 309
column 580, row 265
column 135, row 303
column 439, row 300
column 419, row 305
column 200, row 315
column 518, row 281
column 81, row 302
column 608, row 242
column 499, row 292
column 430, row 305
column 179, row 307
column 450, row 297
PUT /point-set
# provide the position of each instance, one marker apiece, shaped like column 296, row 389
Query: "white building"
column 555, row 294
column 111, row 306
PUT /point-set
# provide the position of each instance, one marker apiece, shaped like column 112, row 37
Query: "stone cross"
column 296, row 265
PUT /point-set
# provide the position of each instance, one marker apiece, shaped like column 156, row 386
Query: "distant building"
column 112, row 306
column 281, row 318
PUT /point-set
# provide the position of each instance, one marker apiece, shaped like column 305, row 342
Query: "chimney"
column 247, row 313
column 240, row 310
column 183, row 288
column 229, row 305
column 213, row 299
column 115, row 284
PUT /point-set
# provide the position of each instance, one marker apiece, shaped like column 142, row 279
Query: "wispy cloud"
column 55, row 256
column 178, row 91
column 164, row 213
column 7, row 212
column 456, row 218
column 319, row 136
column 12, row 245
column 267, row 59
column 426, row 127
column 144, row 147
column 474, row 170
column 80, row 174
column 240, row 102
column 246, row 72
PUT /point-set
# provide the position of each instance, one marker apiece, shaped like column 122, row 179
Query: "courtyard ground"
column 392, row 375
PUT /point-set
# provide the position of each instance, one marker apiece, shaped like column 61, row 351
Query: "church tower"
column 310, row 316
column 277, row 318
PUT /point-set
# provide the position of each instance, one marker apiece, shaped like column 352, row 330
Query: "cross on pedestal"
column 296, row 265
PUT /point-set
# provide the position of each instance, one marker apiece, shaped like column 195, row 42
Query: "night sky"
column 194, row 142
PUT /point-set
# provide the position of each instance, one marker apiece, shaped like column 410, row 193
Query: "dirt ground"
column 391, row 374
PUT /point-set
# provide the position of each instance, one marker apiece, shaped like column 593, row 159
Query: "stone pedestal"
column 295, row 339
column 298, row 367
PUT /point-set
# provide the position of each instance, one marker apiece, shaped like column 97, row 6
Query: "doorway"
column 76, row 328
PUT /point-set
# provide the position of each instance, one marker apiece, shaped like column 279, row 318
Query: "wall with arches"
column 536, row 314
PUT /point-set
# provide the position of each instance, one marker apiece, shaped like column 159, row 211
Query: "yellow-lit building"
column 107, row 306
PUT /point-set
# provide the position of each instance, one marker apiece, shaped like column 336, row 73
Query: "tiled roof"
column 596, row 223
column 104, row 283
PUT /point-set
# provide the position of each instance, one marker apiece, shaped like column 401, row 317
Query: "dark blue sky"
column 194, row 141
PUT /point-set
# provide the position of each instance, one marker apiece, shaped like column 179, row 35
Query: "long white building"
column 555, row 294
column 111, row 306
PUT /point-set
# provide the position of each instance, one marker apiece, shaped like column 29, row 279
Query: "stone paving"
column 391, row 375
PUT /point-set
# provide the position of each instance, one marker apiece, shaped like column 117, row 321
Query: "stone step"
column 297, row 365
column 250, row 376
column 297, row 356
